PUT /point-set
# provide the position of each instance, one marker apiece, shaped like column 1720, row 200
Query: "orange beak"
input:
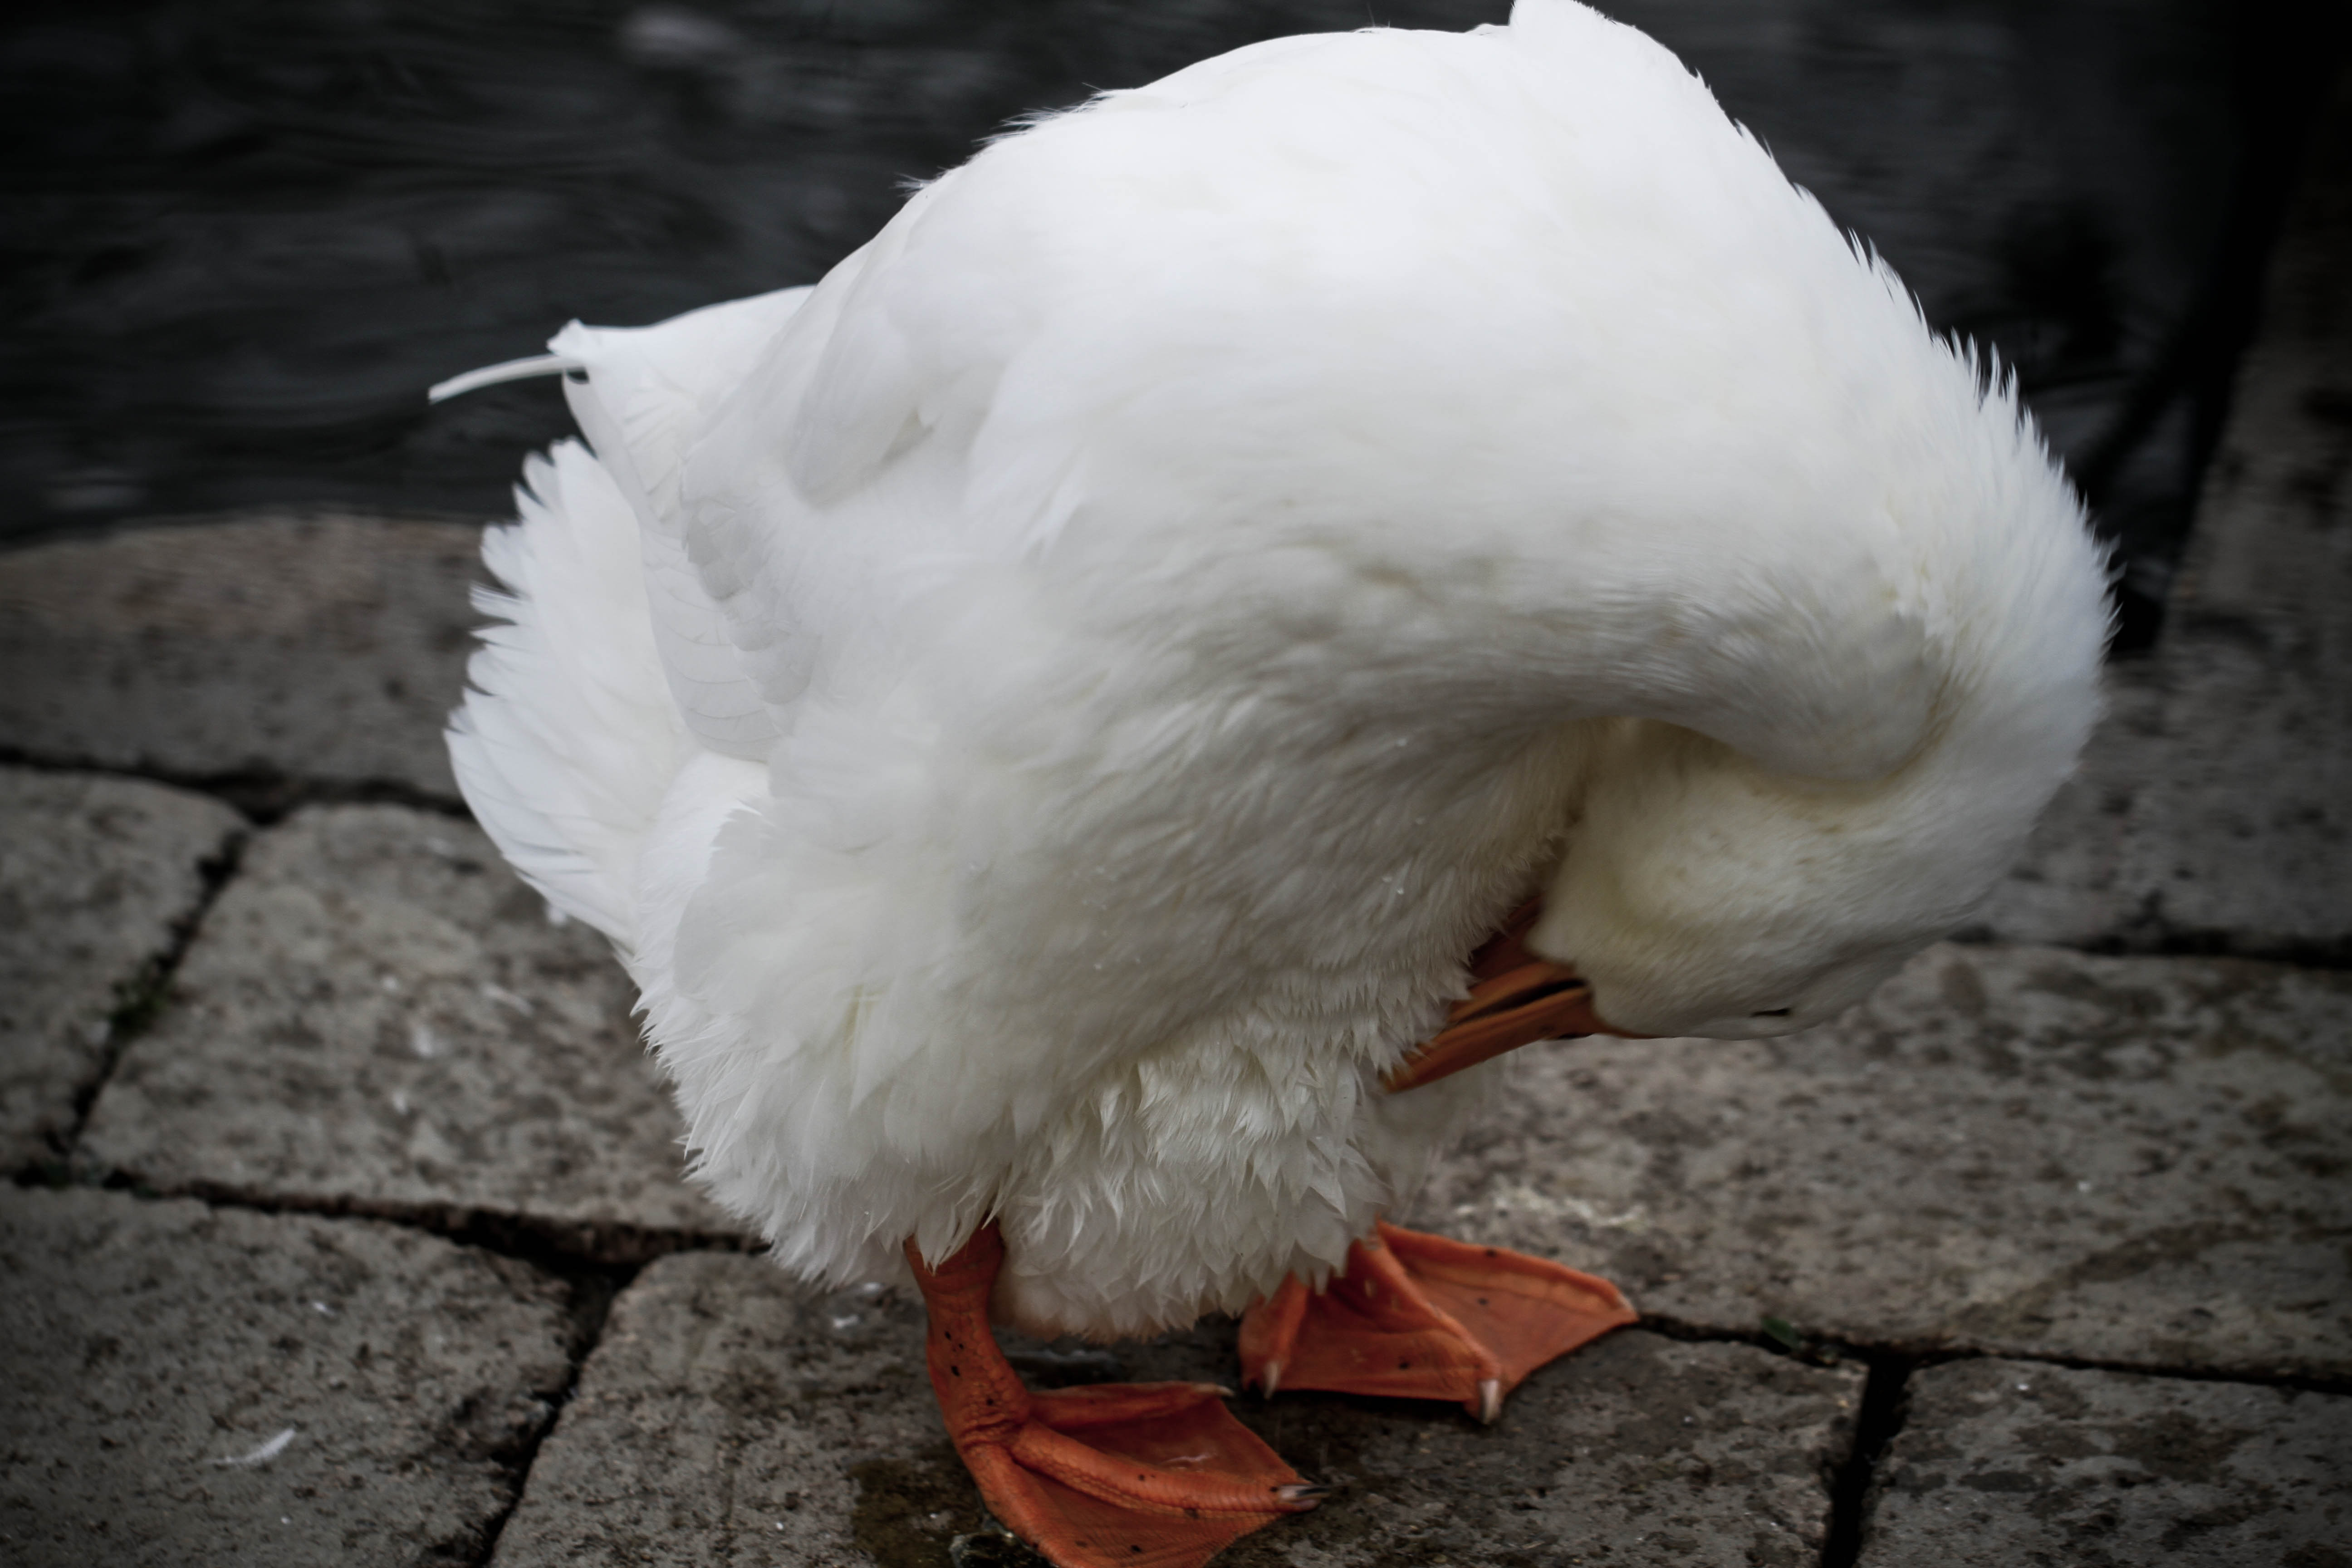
column 1515, row 999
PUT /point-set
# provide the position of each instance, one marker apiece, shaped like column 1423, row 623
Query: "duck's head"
column 1701, row 889
column 1701, row 894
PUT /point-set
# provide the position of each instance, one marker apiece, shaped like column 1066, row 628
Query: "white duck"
column 1045, row 713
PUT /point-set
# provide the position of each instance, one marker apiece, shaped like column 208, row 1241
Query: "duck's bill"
column 1515, row 999
column 1537, row 1001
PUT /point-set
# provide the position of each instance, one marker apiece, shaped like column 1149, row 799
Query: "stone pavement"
column 2135, row 1162
column 97, row 878
column 789, row 1430
column 377, row 1018
column 189, row 1385
column 2002, row 1462
column 264, row 651
column 348, row 1225
column 2215, row 811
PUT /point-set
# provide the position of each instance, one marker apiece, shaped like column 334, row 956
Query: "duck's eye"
column 1771, row 1013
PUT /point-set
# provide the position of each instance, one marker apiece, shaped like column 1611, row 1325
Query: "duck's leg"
column 1154, row 1474
column 1421, row 1316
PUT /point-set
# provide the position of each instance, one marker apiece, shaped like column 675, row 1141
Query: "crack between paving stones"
column 557, row 1246
column 1875, row 1426
column 265, row 797
column 1823, row 1351
column 594, row 1291
column 141, row 1001
column 2304, row 1383
column 2152, row 937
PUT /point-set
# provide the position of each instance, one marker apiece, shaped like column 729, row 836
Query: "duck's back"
column 1179, row 325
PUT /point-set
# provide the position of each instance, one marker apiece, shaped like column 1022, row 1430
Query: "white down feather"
column 1045, row 713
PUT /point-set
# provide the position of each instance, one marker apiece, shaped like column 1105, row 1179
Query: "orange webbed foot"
column 1157, row 1474
column 1420, row 1317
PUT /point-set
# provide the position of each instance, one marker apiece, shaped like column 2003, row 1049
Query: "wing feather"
column 646, row 396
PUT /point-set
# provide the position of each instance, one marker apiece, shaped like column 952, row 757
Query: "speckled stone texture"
column 2002, row 1463
column 325, row 648
column 727, row 1417
column 2132, row 1160
column 158, row 1355
column 378, row 1015
column 96, row 876
column 2216, row 806
column 1636, row 1449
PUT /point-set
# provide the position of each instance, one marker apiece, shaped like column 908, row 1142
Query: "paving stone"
column 378, row 1016
column 727, row 1416
column 2003, row 1462
column 2216, row 808
column 2133, row 1161
column 96, row 876
column 185, row 1385
column 326, row 647
column 2082, row 880
column 2255, row 816
column 1637, row 1450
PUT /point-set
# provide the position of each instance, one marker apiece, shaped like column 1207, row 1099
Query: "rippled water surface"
column 243, row 237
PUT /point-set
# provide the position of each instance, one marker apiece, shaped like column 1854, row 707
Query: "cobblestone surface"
column 326, row 649
column 2004, row 1462
column 184, row 1385
column 2134, row 1161
column 726, row 1417
column 96, row 876
column 377, row 1015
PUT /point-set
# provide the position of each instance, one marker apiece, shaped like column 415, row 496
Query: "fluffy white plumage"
column 1045, row 713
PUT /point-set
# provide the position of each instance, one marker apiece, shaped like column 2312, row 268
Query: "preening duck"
column 1244, row 601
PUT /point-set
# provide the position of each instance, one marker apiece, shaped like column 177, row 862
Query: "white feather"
column 568, row 741
column 1119, row 642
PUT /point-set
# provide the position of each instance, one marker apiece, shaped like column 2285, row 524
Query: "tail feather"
column 569, row 739
column 611, row 668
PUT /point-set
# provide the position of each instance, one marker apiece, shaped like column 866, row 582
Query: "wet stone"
column 2002, row 1462
column 181, row 1386
column 2139, row 1162
column 96, row 876
column 2258, row 817
column 378, row 1015
column 729, row 1416
column 326, row 649
column 2215, row 807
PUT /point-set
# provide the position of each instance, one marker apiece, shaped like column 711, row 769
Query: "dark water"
column 241, row 237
